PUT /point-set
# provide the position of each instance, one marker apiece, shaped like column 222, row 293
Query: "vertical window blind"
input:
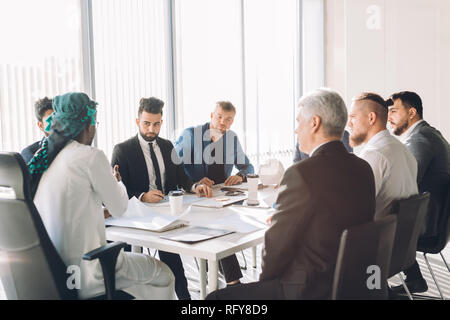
column 41, row 56
column 259, row 54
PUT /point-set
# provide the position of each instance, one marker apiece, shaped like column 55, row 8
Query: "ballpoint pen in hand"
column 150, row 189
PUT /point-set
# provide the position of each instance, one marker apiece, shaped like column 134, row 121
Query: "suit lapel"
column 140, row 163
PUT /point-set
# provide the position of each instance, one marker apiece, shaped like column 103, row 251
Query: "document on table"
column 141, row 216
column 188, row 199
column 193, row 234
column 219, row 201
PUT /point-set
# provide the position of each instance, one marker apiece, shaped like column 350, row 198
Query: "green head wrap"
column 72, row 112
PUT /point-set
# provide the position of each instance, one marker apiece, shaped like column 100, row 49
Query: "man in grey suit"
column 319, row 197
column 432, row 153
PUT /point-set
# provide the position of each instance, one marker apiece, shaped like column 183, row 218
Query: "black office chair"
column 364, row 254
column 30, row 266
column 435, row 245
column 410, row 214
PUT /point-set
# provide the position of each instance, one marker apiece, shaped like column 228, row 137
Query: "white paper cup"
column 252, row 180
column 176, row 202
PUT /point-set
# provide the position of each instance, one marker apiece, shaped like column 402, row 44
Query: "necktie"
column 156, row 167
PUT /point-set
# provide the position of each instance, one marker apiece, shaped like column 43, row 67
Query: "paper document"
column 196, row 234
column 220, row 201
column 141, row 216
column 188, row 199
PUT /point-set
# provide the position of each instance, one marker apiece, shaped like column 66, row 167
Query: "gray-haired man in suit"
column 319, row 197
column 432, row 153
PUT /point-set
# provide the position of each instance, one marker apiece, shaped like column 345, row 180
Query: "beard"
column 357, row 139
column 401, row 128
column 149, row 137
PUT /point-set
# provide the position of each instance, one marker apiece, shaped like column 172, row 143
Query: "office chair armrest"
column 107, row 255
column 106, row 250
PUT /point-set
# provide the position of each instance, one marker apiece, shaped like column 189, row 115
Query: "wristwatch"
column 243, row 176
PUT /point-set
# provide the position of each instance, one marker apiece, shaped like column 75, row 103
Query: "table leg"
column 254, row 257
column 213, row 273
column 202, row 279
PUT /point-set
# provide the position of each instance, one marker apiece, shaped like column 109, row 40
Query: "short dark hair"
column 370, row 96
column 226, row 106
column 41, row 107
column 151, row 105
column 409, row 99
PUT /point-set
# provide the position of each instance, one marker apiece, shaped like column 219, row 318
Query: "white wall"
column 391, row 45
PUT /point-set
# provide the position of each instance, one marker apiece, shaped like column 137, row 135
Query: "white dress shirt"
column 69, row 200
column 394, row 169
column 148, row 161
column 150, row 169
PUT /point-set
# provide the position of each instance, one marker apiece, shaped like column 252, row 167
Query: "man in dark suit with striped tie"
column 148, row 172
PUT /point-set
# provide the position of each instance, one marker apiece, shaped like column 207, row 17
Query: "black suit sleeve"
column 288, row 225
column 119, row 158
column 182, row 179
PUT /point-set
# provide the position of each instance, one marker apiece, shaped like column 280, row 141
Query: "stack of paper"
column 140, row 216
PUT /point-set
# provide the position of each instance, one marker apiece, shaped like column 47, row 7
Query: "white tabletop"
column 210, row 250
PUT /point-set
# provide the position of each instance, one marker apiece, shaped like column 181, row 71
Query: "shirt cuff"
column 141, row 196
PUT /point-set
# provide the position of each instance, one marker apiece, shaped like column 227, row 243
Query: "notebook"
column 193, row 234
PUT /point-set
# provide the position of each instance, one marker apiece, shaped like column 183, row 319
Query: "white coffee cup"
column 176, row 202
column 253, row 181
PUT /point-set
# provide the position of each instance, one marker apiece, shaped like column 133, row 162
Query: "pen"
column 150, row 188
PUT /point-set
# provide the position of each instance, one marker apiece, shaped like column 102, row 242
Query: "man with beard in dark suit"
column 432, row 153
column 149, row 173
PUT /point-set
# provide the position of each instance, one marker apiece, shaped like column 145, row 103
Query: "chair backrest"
column 363, row 261
column 30, row 266
column 436, row 244
column 410, row 214
column 445, row 231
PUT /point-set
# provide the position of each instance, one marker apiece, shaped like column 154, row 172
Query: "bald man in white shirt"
column 393, row 166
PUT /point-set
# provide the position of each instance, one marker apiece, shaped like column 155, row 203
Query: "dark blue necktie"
column 156, row 167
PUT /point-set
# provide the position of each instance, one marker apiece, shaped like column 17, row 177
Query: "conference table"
column 249, row 226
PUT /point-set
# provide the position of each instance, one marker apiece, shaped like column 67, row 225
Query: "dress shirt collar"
column 144, row 143
column 408, row 132
column 380, row 135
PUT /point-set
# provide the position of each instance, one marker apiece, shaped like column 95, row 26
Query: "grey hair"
column 329, row 106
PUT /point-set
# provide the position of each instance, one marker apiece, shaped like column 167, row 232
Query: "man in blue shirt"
column 209, row 153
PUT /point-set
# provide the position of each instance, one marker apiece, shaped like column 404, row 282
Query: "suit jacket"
column 133, row 169
column 432, row 153
column 298, row 156
column 191, row 146
column 319, row 198
column 28, row 153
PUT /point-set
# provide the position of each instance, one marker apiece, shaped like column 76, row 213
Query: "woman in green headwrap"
column 70, row 181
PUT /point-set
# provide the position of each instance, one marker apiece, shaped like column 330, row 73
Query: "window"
column 209, row 59
column 259, row 54
column 41, row 56
column 132, row 60
column 272, row 70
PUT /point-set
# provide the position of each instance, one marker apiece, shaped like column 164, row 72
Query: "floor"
column 251, row 274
